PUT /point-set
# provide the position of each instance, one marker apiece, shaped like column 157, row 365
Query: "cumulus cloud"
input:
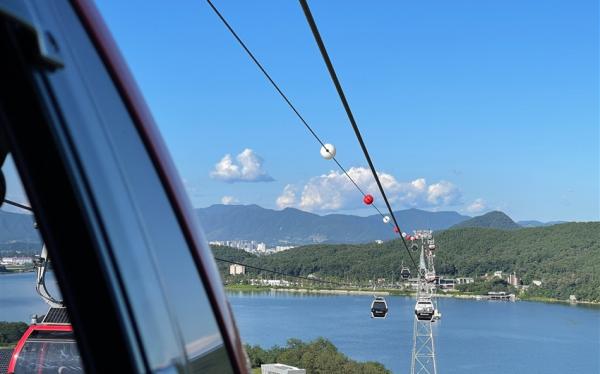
column 228, row 200
column 287, row 197
column 247, row 167
column 442, row 193
column 477, row 206
column 334, row 191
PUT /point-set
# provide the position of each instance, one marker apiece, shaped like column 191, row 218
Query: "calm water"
column 18, row 299
column 472, row 337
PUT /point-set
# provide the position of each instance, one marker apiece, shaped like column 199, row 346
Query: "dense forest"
column 317, row 357
column 565, row 258
column 11, row 332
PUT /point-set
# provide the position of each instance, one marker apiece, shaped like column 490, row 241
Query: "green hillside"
column 317, row 356
column 565, row 257
column 492, row 220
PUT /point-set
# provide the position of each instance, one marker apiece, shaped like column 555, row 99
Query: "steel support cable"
column 338, row 87
column 18, row 205
column 282, row 273
column 285, row 98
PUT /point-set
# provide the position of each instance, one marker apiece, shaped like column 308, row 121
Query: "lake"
column 473, row 336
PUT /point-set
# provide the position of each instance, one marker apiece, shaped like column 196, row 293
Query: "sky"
column 469, row 106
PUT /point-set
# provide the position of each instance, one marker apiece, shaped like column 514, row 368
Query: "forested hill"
column 492, row 220
column 565, row 257
column 252, row 222
column 15, row 227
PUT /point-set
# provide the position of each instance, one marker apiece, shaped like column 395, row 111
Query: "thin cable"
column 18, row 205
column 283, row 95
column 338, row 86
column 235, row 35
column 281, row 273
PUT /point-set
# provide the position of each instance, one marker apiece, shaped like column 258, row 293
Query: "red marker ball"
column 396, row 229
column 368, row 199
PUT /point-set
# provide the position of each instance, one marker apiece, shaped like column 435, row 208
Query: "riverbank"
column 392, row 292
column 14, row 270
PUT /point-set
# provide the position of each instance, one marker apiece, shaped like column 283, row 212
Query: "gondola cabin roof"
column 43, row 332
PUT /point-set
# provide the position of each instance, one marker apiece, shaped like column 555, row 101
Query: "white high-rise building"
column 236, row 269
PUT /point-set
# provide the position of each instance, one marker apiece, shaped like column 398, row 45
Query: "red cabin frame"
column 23, row 340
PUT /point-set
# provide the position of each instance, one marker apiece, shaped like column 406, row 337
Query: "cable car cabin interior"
column 47, row 347
column 379, row 308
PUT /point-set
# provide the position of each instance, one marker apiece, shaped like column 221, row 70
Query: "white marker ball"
column 386, row 219
column 328, row 151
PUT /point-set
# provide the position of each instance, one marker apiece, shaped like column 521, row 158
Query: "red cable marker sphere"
column 396, row 229
column 368, row 199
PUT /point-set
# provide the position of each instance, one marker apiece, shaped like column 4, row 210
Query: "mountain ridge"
column 291, row 225
column 17, row 227
column 493, row 220
column 536, row 223
column 565, row 258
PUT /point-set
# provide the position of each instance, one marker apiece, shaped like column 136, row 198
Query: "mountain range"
column 17, row 228
column 534, row 223
column 491, row 220
column 289, row 226
column 293, row 226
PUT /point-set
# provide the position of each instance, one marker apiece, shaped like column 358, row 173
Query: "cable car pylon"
column 426, row 313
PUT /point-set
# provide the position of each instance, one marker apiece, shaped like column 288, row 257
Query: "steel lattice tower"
column 423, row 354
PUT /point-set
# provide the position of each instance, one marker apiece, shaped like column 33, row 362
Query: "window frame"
column 65, row 206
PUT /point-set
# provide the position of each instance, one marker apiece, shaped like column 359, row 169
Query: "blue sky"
column 464, row 105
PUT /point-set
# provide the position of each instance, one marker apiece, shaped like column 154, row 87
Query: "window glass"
column 21, row 271
column 49, row 353
column 379, row 306
column 174, row 316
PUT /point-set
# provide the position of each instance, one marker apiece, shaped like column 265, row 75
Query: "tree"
column 319, row 356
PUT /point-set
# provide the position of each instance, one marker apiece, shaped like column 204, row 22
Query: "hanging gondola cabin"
column 379, row 308
column 47, row 347
column 405, row 272
column 430, row 277
column 424, row 309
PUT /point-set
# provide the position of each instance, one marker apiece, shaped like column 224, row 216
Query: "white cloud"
column 477, row 206
column 247, row 167
column 287, row 197
column 228, row 200
column 334, row 191
column 443, row 193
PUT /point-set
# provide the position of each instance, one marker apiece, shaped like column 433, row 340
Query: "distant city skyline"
column 465, row 106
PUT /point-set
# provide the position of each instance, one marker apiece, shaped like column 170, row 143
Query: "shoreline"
column 455, row 295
